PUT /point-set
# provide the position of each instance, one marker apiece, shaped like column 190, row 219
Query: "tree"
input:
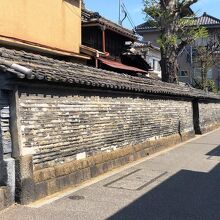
column 206, row 56
column 177, row 27
column 210, row 85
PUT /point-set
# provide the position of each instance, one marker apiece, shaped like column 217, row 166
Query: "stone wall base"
column 6, row 199
column 208, row 128
column 53, row 179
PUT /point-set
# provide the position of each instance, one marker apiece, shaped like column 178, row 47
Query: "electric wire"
column 128, row 16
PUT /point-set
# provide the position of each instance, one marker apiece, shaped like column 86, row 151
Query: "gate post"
column 7, row 163
column 196, row 117
column 25, row 188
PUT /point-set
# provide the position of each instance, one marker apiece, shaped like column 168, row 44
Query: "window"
column 209, row 74
column 184, row 73
column 151, row 63
column 155, row 65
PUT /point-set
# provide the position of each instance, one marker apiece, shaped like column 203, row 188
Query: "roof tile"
column 72, row 74
column 205, row 20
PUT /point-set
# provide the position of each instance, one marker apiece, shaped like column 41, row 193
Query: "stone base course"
column 6, row 199
column 53, row 179
column 211, row 127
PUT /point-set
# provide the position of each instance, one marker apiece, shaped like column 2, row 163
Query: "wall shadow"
column 75, row 3
column 3, row 176
column 187, row 195
column 214, row 152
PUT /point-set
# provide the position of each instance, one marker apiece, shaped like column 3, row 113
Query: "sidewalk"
column 180, row 184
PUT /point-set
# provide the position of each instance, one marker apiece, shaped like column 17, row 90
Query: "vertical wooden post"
column 96, row 63
column 196, row 116
column 103, row 28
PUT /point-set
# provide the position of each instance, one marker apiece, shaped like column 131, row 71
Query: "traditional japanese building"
column 106, row 41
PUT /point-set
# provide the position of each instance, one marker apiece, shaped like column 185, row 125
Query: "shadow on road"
column 214, row 152
column 186, row 195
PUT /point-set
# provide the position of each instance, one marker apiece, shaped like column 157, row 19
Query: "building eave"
column 17, row 43
column 119, row 30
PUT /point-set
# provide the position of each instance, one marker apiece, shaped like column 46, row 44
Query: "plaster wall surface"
column 50, row 23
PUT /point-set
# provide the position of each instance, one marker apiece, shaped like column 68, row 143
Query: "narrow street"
column 179, row 184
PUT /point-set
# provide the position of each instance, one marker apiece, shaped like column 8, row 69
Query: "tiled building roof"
column 145, row 26
column 89, row 17
column 204, row 20
column 144, row 44
column 32, row 67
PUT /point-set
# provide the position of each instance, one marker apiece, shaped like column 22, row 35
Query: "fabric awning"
column 121, row 66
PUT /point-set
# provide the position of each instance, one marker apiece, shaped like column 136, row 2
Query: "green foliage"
column 201, row 32
column 152, row 8
column 151, row 23
column 166, row 41
column 210, row 85
column 177, row 29
column 206, row 56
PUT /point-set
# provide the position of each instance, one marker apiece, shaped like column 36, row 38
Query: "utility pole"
column 119, row 17
column 218, row 80
column 191, row 65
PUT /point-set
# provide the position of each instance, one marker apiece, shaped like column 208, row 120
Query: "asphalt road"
column 179, row 184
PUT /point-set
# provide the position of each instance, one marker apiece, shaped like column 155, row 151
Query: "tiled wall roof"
column 72, row 74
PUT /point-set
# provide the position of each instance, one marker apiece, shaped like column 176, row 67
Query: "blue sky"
column 109, row 9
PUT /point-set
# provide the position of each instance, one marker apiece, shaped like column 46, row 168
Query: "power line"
column 128, row 15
